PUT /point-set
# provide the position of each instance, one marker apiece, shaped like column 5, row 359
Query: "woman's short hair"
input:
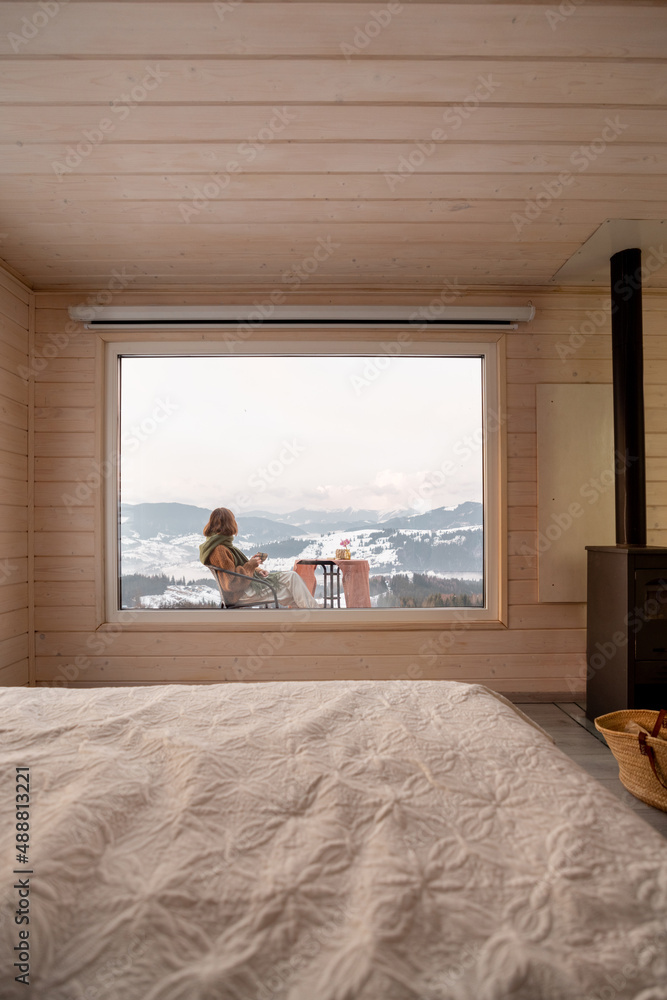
column 221, row 522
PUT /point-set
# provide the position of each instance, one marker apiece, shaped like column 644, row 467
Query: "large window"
column 392, row 454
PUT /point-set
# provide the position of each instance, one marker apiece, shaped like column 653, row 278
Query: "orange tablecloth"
column 355, row 580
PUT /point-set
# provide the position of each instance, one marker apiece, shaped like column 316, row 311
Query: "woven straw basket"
column 642, row 760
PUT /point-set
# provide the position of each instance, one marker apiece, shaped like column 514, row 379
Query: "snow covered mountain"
column 347, row 518
column 164, row 539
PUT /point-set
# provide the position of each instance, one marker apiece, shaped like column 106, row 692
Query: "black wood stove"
column 627, row 583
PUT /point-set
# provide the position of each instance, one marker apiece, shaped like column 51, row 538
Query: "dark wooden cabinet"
column 627, row 628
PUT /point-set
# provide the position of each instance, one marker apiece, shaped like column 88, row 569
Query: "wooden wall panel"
column 307, row 29
column 376, row 81
column 14, row 480
column 541, row 653
column 573, row 510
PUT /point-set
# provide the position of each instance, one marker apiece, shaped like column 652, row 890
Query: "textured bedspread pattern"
column 320, row 841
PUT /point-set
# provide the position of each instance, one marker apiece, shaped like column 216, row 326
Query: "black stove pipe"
column 628, row 375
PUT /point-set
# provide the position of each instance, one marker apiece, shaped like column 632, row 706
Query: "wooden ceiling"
column 352, row 144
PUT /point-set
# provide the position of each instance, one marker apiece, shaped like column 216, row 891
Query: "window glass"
column 378, row 455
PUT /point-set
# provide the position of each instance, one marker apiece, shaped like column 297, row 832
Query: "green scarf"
column 212, row 542
column 240, row 559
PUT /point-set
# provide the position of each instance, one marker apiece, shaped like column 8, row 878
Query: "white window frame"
column 490, row 347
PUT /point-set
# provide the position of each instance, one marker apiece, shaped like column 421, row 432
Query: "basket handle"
column 658, row 722
column 648, row 751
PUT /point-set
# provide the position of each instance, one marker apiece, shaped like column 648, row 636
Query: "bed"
column 333, row 840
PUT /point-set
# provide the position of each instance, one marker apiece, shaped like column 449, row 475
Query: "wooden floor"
column 578, row 738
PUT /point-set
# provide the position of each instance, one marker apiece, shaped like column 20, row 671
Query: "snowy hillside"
column 447, row 542
column 183, row 597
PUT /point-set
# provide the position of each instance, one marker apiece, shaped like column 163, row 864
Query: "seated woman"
column 219, row 550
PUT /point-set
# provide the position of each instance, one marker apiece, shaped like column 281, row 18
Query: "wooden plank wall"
column 542, row 651
column 14, row 480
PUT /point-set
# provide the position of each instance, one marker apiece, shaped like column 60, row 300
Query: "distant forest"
column 135, row 586
column 397, row 591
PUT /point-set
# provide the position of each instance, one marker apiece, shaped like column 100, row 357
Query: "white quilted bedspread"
column 393, row 840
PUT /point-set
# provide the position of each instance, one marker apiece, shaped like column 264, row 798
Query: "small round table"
column 331, row 574
column 355, row 578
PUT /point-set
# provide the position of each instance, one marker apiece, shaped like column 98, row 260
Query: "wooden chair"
column 226, row 604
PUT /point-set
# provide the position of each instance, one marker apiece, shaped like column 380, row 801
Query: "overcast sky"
column 279, row 433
